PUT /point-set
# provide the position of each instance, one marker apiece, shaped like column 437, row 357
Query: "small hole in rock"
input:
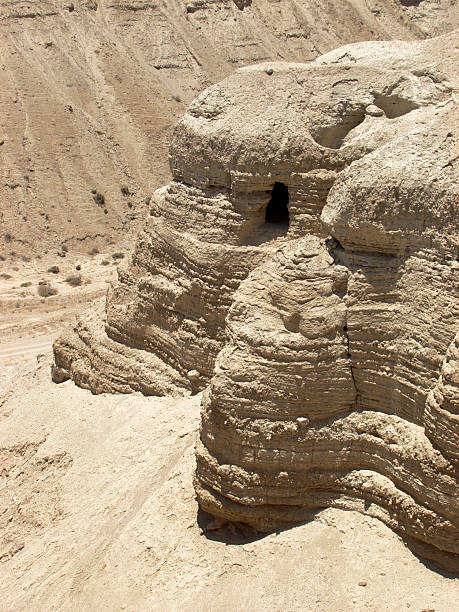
column 277, row 209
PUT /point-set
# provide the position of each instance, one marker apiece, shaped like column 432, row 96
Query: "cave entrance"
column 277, row 209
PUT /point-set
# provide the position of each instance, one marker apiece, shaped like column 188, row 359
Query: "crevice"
column 351, row 367
column 410, row 2
column 340, row 288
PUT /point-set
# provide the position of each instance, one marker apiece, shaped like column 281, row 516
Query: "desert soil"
column 29, row 323
column 97, row 512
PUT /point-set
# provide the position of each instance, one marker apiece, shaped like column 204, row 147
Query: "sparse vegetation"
column 105, row 262
column 125, row 190
column 46, row 290
column 26, row 284
column 74, row 280
column 99, row 199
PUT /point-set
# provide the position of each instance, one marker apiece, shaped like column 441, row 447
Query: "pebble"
column 374, row 111
column 363, row 583
column 269, row 70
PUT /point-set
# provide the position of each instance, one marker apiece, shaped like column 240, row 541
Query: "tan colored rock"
column 301, row 265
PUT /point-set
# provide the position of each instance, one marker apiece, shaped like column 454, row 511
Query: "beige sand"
column 97, row 501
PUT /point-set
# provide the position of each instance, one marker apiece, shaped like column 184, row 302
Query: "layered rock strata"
column 301, row 267
column 339, row 386
column 206, row 231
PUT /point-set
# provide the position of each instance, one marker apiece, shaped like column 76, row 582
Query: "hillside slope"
column 89, row 92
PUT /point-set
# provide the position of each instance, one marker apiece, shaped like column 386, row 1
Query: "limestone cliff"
column 301, row 267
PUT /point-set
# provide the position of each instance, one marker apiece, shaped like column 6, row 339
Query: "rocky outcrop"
column 207, row 229
column 301, row 268
column 335, row 389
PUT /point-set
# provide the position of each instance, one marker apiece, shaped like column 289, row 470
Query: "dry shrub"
column 45, row 290
column 74, row 280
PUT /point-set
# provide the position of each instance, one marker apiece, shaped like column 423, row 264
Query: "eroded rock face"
column 301, row 267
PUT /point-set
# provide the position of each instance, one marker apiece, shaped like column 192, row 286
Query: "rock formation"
column 301, row 267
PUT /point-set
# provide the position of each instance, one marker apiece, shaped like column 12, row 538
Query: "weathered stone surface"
column 324, row 335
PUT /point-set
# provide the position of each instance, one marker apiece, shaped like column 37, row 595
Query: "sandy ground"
column 29, row 323
column 97, row 512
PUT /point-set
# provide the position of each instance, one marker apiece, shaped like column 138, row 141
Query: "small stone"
column 363, row 583
column 374, row 111
column 193, row 375
column 269, row 70
column 302, row 422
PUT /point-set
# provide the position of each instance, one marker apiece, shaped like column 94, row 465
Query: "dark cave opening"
column 277, row 209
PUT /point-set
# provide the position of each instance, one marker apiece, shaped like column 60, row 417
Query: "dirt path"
column 26, row 348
